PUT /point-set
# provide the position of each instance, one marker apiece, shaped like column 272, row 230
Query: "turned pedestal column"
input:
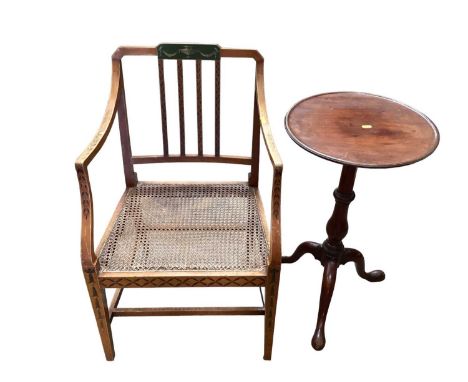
column 332, row 253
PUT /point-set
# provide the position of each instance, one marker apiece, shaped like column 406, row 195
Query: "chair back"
column 183, row 53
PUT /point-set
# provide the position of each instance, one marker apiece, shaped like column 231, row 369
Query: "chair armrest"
column 88, row 257
column 101, row 135
column 275, row 221
column 265, row 125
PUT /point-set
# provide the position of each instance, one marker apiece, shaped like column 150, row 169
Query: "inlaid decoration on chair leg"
column 271, row 298
column 99, row 304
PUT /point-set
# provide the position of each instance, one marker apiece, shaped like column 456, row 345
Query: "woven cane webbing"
column 176, row 227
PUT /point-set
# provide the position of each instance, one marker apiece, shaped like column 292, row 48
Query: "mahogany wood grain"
column 362, row 130
column 315, row 249
column 351, row 254
column 356, row 130
column 328, row 285
column 332, row 253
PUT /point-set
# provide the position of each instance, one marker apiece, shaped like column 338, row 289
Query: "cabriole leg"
column 314, row 249
column 328, row 285
column 351, row 254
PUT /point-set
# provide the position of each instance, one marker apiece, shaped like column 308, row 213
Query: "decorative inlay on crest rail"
column 189, row 52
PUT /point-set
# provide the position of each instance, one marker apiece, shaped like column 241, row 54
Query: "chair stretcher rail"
column 187, row 311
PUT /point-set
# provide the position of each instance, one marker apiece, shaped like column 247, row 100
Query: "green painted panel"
column 189, row 52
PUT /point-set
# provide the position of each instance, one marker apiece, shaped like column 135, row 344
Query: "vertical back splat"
column 162, row 92
column 199, row 107
column 197, row 52
column 180, row 83
column 217, row 105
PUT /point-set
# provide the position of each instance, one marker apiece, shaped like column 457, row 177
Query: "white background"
column 410, row 222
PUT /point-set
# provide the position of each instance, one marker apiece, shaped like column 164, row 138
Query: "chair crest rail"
column 188, row 51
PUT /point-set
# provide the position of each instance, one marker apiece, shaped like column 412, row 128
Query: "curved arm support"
column 275, row 229
column 88, row 257
column 265, row 125
column 101, row 135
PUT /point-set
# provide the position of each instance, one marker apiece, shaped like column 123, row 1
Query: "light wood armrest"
column 265, row 125
column 101, row 135
column 275, row 228
column 88, row 257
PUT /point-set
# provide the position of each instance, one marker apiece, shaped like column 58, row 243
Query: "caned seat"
column 190, row 234
column 187, row 227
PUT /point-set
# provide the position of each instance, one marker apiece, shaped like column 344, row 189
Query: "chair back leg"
column 271, row 297
column 101, row 312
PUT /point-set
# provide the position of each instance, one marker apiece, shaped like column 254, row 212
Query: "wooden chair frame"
column 97, row 280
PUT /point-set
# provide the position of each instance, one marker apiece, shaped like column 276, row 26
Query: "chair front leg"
column 274, row 269
column 101, row 312
column 271, row 298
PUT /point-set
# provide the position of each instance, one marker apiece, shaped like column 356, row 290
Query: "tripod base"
column 331, row 259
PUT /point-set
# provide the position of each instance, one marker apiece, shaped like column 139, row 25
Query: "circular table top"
column 361, row 130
